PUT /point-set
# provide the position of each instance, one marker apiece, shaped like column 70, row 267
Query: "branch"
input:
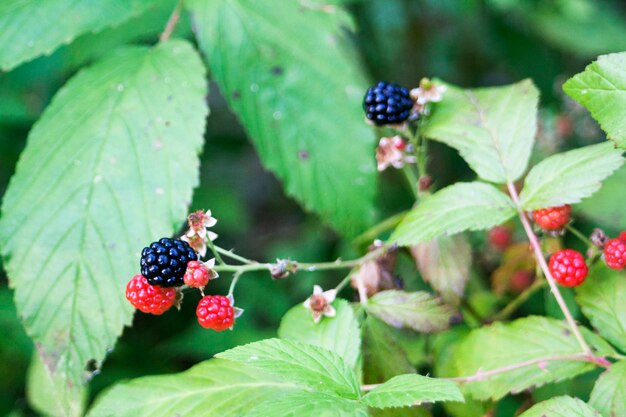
column 171, row 22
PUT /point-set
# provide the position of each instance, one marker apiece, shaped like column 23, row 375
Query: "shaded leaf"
column 527, row 339
column 419, row 311
column 557, row 180
column 459, row 207
column 317, row 368
column 276, row 64
column 445, row 264
column 604, row 209
column 561, row 407
column 405, row 390
column 211, row 388
column 492, row 128
column 309, row 404
column 601, row 88
column 117, row 143
column 341, row 333
column 23, row 24
column 608, row 393
column 601, row 299
column 383, row 356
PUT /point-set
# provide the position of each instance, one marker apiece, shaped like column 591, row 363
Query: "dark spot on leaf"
column 91, row 366
column 303, row 155
column 277, row 70
column 236, row 94
column 169, row 98
column 167, row 123
column 566, row 332
column 456, row 319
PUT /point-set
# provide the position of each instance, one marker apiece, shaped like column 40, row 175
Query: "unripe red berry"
column 521, row 280
column 215, row 312
column 615, row 253
column 568, row 267
column 149, row 298
column 197, row 275
column 500, row 237
column 552, row 218
column 622, row 235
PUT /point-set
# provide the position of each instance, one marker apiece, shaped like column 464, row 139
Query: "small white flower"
column 391, row 152
column 319, row 303
column 196, row 242
column 428, row 92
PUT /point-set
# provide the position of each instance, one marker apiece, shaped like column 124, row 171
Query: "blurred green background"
column 465, row 42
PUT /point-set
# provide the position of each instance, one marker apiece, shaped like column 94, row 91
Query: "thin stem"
column 411, row 178
column 343, row 283
column 534, row 242
column 171, row 22
column 234, row 256
column 389, row 223
column 541, row 362
column 579, row 235
column 234, row 281
column 215, row 251
column 512, row 306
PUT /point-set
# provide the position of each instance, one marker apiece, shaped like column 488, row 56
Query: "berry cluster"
column 387, row 104
column 552, row 218
column 169, row 263
column 615, row 252
column 568, row 267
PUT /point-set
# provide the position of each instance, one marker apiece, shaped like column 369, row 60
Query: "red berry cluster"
column 149, row 298
column 568, row 267
column 215, row 312
column 615, row 252
column 552, row 218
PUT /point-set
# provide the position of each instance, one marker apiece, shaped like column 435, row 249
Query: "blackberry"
column 164, row 262
column 387, row 103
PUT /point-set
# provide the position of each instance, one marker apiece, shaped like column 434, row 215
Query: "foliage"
column 104, row 115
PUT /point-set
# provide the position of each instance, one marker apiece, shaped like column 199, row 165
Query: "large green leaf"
column 561, row 407
column 528, row 339
column 320, row 369
column 45, row 392
column 29, row 28
column 406, row 390
column 608, row 395
column 383, row 356
column 341, row 333
column 459, row 207
column 568, row 177
column 419, row 310
column 109, row 167
column 445, row 263
column 309, row 404
column 493, row 128
column 277, row 65
column 212, row 388
column 601, row 298
column 604, row 210
column 601, row 88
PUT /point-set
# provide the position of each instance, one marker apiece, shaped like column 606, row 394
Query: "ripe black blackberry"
column 387, row 103
column 164, row 262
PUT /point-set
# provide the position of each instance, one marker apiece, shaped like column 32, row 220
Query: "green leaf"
column 493, row 128
column 459, row 207
column 383, row 356
column 29, row 28
column 445, row 263
column 317, row 368
column 561, row 407
column 45, row 392
column 405, row 390
column 528, row 339
column 604, row 210
column 568, row 177
column 309, row 404
column 601, row 88
column 277, row 65
column 608, row 393
column 212, row 388
column 341, row 333
column 419, row 310
column 601, row 298
column 109, row 167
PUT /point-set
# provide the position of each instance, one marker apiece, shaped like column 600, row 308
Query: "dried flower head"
column 392, row 152
column 427, row 92
column 320, row 303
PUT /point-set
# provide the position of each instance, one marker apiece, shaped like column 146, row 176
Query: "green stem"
column 215, row 251
column 171, row 22
column 411, row 178
column 234, row 281
column 511, row 307
column 233, row 255
column 580, row 235
column 370, row 235
column 343, row 283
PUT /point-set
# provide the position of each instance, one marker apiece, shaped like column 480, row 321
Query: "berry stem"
column 234, row 281
column 389, row 223
column 216, row 253
column 234, row 256
column 580, row 235
column 171, row 22
column 512, row 306
column 534, row 242
column 411, row 178
column 343, row 283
